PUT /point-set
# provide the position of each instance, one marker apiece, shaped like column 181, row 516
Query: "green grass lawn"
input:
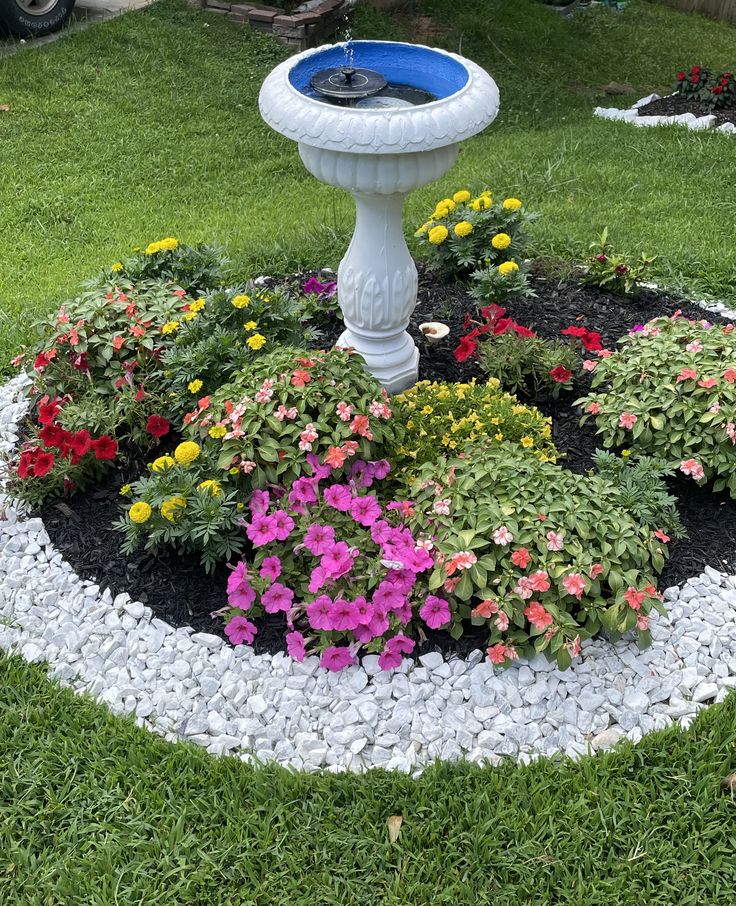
column 94, row 811
column 147, row 126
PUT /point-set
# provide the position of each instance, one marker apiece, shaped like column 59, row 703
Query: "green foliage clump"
column 608, row 269
column 194, row 268
column 530, row 364
column 670, row 390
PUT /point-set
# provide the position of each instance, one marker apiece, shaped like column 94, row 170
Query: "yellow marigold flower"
column 462, row 196
column 626, row 453
column 190, row 316
column 427, row 410
column 462, row 229
column 140, row 512
column 446, row 203
column 438, row 234
column 501, row 241
column 217, row 431
column 250, row 325
column 197, row 305
column 186, row 452
column 169, row 244
column 423, row 228
column 125, row 490
column 152, row 248
column 117, row 267
column 241, row 301
column 481, row 203
column 211, row 487
column 170, row 327
column 257, row 341
column 170, row 508
column 512, row 204
column 527, row 441
column 508, row 268
column 194, row 386
column 162, row 464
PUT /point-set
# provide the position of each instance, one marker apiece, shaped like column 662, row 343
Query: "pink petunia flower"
column 240, row 593
column 336, row 659
column 259, row 501
column 339, row 497
column 365, row 510
column 345, row 615
column 239, row 630
column 319, row 538
column 271, row 568
column 262, row 529
column 277, row 598
column 283, row 525
column 296, row 646
column 319, row 613
column 435, row 612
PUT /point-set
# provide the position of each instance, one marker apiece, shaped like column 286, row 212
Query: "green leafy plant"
column 186, row 504
column 670, row 390
column 497, row 285
column 642, row 489
column 712, row 90
column 442, row 418
column 539, row 555
column 194, row 268
column 607, row 269
column 290, row 406
column 465, row 233
column 529, row 363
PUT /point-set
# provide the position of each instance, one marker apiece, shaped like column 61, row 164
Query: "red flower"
column 466, row 321
column 590, row 339
column 140, row 394
column 622, row 269
column 81, row 443
column 43, row 359
column 493, row 312
column 43, row 464
column 601, row 259
column 680, row 76
column 157, row 425
column 25, row 465
column 105, row 447
column 52, row 435
column 118, row 342
column 523, row 331
column 560, row 374
column 465, row 349
column 47, row 412
column 717, row 89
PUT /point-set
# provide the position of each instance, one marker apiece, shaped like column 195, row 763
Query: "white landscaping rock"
column 632, row 115
column 193, row 686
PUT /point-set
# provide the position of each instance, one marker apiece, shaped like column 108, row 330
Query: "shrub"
column 524, row 363
column 185, row 503
column 496, row 285
column 714, row 90
column 194, row 268
column 607, row 269
column 541, row 556
column 441, row 418
column 227, row 330
column 643, row 491
column 671, row 392
column 344, row 569
column 289, row 404
column 465, row 233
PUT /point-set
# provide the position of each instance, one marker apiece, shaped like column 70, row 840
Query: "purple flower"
column 239, row 591
column 262, row 529
column 303, row 491
column 338, row 496
column 259, row 501
column 345, row 615
column 636, row 328
column 240, row 630
column 319, row 470
column 381, row 469
column 389, row 659
column 402, row 643
column 365, row 610
column 271, row 568
column 319, row 538
column 277, row 598
column 283, row 524
column 435, row 612
column 295, row 645
column 381, row 531
column 365, row 510
column 313, row 285
column 388, row 596
column 336, row 659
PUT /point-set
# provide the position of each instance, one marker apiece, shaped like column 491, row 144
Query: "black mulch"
column 180, row 592
column 679, row 104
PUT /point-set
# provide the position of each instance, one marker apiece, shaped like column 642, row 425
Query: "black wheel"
column 32, row 18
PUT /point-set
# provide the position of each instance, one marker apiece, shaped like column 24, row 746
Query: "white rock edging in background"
column 632, row 115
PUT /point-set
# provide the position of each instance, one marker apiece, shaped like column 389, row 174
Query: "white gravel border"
column 692, row 122
column 189, row 685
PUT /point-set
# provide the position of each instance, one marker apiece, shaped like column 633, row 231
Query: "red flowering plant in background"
column 344, row 569
column 713, row 90
column 609, row 270
column 523, row 547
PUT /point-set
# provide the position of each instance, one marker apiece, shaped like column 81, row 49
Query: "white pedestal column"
column 377, row 291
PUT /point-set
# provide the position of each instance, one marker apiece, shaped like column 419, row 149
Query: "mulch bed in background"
column 180, row 592
column 677, row 104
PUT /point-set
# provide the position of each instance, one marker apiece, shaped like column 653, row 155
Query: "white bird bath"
column 379, row 149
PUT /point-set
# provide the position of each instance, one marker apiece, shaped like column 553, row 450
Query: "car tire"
column 33, row 18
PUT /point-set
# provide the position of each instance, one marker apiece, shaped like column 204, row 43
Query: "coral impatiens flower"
column 538, row 616
column 687, row 374
column 521, row 558
column 693, row 468
column 574, row 585
column 627, row 420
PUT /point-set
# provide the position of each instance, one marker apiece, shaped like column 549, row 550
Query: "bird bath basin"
column 379, row 119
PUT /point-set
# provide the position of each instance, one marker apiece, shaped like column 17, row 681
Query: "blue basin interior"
column 404, row 64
